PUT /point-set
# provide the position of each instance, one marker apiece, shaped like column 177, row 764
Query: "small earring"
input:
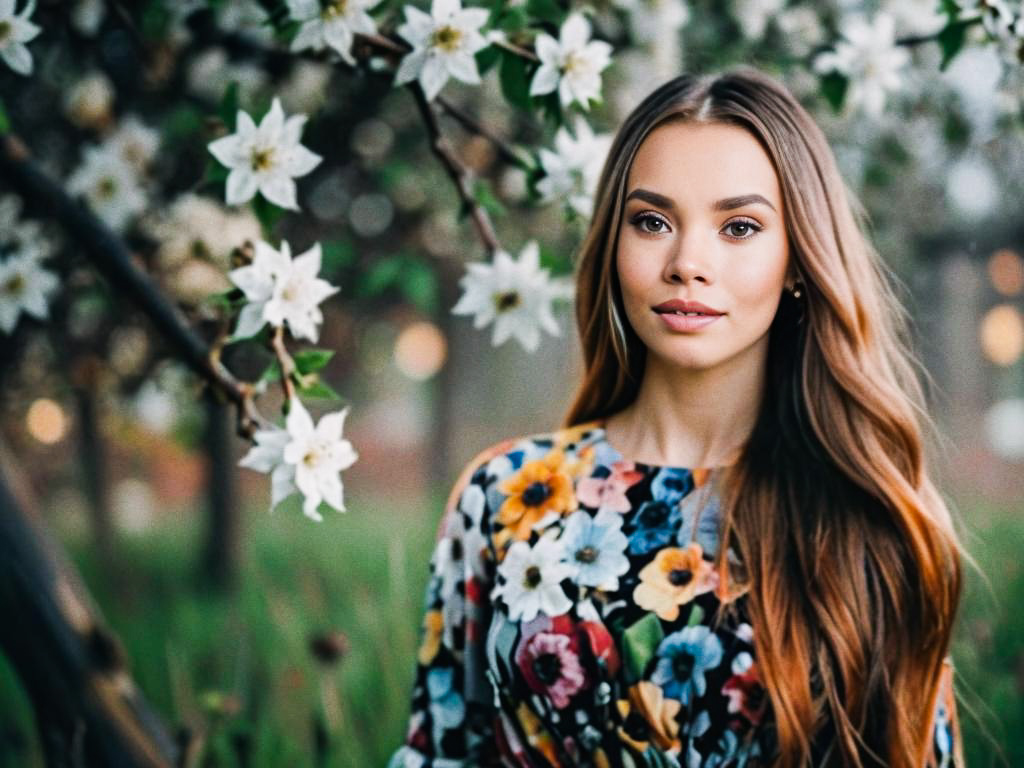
column 796, row 290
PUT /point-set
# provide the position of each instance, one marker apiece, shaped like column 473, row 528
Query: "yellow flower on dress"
column 674, row 577
column 649, row 717
column 431, row 644
column 537, row 735
column 539, row 488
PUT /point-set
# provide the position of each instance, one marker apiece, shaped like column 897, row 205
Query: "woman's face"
column 703, row 222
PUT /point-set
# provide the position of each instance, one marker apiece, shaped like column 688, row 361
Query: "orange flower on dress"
column 649, row 717
column 539, row 488
column 432, row 625
column 674, row 577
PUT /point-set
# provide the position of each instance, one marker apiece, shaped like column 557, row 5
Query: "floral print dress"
column 573, row 618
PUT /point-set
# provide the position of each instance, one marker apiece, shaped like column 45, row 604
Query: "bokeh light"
column 1004, row 428
column 420, row 350
column 1006, row 271
column 46, row 422
column 1002, row 334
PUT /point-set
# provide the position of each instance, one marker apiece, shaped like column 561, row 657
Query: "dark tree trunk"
column 223, row 549
column 87, row 709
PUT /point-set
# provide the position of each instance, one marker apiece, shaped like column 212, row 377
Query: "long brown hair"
column 850, row 555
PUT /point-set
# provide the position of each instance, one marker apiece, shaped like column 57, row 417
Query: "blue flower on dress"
column 654, row 525
column 446, row 705
column 683, row 657
column 595, row 547
column 670, row 484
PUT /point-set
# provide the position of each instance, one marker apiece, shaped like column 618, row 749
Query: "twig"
column 456, row 170
column 115, row 262
column 284, row 361
column 526, row 53
column 505, row 151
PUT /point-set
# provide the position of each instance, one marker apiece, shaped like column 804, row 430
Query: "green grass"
column 199, row 656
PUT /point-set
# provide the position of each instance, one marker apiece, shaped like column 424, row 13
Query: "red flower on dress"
column 746, row 694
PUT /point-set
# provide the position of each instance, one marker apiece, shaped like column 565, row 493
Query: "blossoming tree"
column 157, row 155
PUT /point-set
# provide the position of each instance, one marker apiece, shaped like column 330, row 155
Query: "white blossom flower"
column 305, row 458
column 17, row 233
column 869, row 57
column 265, row 158
column 198, row 226
column 332, row 24
column 109, row 184
column 25, row 286
column 136, row 142
column 532, row 579
column 444, row 44
column 996, row 16
column 572, row 64
column 318, row 453
column 282, row 291
column 753, row 15
column 515, row 294
column 574, row 168
column 15, row 31
column 595, row 547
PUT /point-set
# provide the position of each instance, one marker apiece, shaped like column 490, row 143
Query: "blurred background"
column 263, row 638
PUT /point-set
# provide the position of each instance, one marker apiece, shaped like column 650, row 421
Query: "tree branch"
column 471, row 124
column 457, row 171
column 115, row 262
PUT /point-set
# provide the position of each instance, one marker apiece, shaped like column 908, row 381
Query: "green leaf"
column 546, row 10
column 833, row 88
column 639, row 643
column 266, row 212
column 321, row 391
column 514, row 20
column 312, row 360
column 515, row 80
column 482, row 194
column 951, row 39
column 487, row 58
column 5, row 124
column 228, row 109
column 696, row 616
column 273, row 372
column 215, row 172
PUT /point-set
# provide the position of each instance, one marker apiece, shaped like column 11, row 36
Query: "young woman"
column 732, row 554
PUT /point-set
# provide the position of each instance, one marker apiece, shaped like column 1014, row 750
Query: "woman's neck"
column 690, row 418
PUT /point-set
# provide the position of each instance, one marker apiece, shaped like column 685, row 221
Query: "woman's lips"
column 687, row 322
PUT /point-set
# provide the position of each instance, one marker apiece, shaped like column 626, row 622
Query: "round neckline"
column 601, row 423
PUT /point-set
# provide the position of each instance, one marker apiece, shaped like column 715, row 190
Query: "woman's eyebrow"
column 725, row 204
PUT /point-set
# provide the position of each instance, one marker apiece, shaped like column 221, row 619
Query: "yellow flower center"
column 14, row 286
column 531, row 578
column 335, row 9
column 106, row 188
column 446, row 38
column 574, row 62
column 262, row 159
column 503, row 302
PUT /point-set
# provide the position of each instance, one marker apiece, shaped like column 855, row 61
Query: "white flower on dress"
column 109, row 184
column 573, row 169
column 15, row 31
column 514, row 294
column 572, row 64
column 25, row 286
column 595, row 548
column 444, row 44
column 332, row 24
column 282, row 291
column 533, row 579
column 869, row 57
column 265, row 158
column 318, row 453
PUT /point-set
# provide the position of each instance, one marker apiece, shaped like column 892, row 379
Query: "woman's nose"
column 689, row 261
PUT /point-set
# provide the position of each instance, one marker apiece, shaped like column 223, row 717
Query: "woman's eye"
column 744, row 229
column 649, row 223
